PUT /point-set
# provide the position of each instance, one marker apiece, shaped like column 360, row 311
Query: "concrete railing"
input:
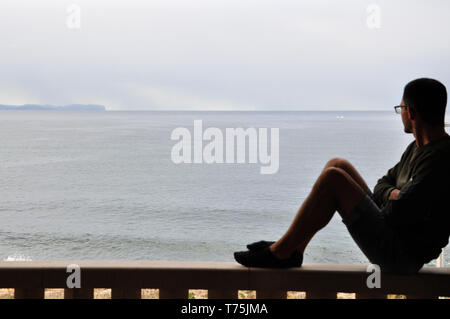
column 221, row 279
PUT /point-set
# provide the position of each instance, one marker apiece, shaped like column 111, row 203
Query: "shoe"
column 264, row 258
column 259, row 244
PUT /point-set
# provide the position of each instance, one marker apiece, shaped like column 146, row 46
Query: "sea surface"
column 103, row 186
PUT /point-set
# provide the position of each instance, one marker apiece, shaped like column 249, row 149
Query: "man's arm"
column 386, row 186
column 413, row 201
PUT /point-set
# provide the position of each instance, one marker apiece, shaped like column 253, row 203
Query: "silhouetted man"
column 404, row 223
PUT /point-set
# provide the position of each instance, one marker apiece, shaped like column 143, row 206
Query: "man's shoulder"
column 441, row 149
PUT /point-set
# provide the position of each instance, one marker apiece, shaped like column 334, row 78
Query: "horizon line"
column 205, row 110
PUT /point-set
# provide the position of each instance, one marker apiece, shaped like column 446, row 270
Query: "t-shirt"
column 420, row 213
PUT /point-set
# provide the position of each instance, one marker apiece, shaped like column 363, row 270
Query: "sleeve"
column 415, row 199
column 388, row 182
column 385, row 185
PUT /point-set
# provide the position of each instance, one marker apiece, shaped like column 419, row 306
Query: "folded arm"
column 386, row 186
column 418, row 195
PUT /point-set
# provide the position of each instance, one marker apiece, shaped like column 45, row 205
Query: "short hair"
column 429, row 98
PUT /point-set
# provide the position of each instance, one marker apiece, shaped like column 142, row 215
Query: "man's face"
column 407, row 126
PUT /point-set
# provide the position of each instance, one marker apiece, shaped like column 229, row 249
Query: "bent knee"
column 330, row 179
column 333, row 173
column 337, row 162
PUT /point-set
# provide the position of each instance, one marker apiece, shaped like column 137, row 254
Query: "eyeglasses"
column 398, row 108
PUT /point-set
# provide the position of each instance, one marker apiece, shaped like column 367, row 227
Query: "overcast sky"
column 221, row 55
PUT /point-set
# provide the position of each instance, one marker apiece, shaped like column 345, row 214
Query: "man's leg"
column 337, row 163
column 336, row 189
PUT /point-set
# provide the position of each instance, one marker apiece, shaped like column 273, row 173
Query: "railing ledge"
column 221, row 276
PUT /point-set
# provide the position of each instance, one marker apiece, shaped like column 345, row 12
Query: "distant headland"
column 38, row 107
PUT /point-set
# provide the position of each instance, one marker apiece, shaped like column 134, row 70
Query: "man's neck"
column 425, row 136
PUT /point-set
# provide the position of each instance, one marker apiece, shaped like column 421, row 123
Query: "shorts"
column 377, row 240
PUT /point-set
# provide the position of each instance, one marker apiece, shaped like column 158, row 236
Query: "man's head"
column 425, row 101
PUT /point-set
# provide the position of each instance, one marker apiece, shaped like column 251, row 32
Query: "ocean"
column 103, row 186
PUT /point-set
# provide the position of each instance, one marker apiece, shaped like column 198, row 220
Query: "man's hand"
column 393, row 194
